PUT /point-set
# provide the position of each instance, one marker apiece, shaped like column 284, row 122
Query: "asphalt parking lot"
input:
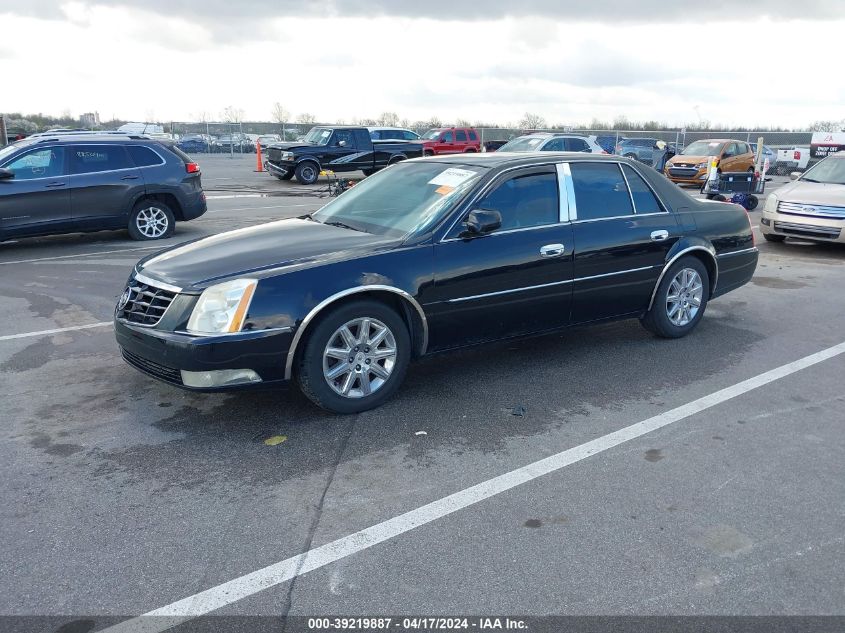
column 122, row 495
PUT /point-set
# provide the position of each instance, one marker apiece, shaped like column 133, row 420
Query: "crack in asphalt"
column 315, row 523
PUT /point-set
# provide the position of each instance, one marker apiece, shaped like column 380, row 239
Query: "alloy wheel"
column 683, row 300
column 152, row 222
column 359, row 357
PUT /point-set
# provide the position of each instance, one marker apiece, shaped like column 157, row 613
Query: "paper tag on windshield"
column 452, row 177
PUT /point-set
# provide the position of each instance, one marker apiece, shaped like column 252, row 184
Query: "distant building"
column 90, row 119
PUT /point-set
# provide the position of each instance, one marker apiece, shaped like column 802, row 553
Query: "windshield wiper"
column 343, row 225
column 809, row 180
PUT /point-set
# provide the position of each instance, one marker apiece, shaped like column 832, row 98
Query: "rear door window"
column 472, row 136
column 600, row 191
column 89, row 159
column 577, row 145
column 461, row 136
column 644, row 200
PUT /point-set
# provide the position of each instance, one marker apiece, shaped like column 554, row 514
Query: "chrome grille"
column 143, row 303
column 274, row 154
column 807, row 230
column 812, row 210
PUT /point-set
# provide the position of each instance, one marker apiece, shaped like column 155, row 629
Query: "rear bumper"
column 736, row 268
column 195, row 207
column 163, row 355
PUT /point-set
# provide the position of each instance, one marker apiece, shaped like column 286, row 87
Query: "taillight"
column 604, row 151
column 192, row 168
column 796, row 155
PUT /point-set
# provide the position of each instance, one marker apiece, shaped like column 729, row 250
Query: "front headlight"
column 701, row 165
column 287, row 155
column 222, row 308
column 771, row 203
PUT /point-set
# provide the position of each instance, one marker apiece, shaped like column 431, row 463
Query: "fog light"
column 703, row 177
column 218, row 378
column 765, row 221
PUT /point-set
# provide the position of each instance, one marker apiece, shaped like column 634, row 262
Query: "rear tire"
column 368, row 172
column 151, row 220
column 324, row 376
column 307, row 173
column 680, row 300
column 773, row 237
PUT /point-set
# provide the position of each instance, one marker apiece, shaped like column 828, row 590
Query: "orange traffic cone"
column 259, row 165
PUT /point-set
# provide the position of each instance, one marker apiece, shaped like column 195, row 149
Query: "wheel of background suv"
column 307, row 173
column 151, row 220
column 773, row 237
column 368, row 172
column 680, row 300
column 355, row 357
column 631, row 156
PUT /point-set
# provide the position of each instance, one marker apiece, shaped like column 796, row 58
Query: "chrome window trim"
column 630, row 216
column 300, row 330
column 563, row 194
column 553, row 283
column 570, row 191
column 753, row 249
column 628, row 185
column 505, row 232
column 157, row 284
column 674, row 259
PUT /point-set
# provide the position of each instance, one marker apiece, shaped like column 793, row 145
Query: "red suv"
column 450, row 140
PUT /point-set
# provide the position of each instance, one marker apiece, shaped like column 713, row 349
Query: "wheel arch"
column 407, row 307
column 161, row 196
column 699, row 249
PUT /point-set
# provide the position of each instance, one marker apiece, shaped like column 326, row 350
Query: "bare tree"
column 532, row 121
column 201, row 117
column 389, row 119
column 434, row 122
column 280, row 114
column 306, row 117
column 232, row 114
column 463, row 123
column 827, row 126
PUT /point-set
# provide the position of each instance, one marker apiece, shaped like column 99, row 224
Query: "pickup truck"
column 337, row 149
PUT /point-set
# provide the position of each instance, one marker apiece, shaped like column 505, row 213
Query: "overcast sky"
column 481, row 60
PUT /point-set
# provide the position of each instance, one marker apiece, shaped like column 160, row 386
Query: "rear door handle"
column 659, row 236
column 552, row 250
column 55, row 184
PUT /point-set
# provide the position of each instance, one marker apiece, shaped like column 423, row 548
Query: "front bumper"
column 163, row 355
column 278, row 170
column 802, row 226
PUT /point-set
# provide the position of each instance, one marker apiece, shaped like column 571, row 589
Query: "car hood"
column 254, row 250
column 291, row 145
column 687, row 159
column 804, row 192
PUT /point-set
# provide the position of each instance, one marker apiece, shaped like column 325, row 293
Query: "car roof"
column 94, row 138
column 517, row 159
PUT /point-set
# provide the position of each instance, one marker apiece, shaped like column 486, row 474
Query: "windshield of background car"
column 703, row 148
column 830, row 171
column 431, row 135
column 524, row 144
column 405, row 198
column 318, row 136
column 8, row 151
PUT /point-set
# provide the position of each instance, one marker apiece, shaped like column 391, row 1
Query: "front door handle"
column 659, row 236
column 55, row 184
column 552, row 250
column 130, row 178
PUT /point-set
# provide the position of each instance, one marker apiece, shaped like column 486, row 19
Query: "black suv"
column 87, row 182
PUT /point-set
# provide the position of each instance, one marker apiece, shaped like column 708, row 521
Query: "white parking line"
column 9, row 337
column 216, row 597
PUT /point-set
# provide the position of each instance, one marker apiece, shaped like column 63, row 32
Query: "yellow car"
column 690, row 167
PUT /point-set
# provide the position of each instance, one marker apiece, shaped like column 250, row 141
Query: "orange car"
column 690, row 166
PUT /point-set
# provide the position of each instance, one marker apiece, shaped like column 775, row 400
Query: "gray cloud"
column 218, row 12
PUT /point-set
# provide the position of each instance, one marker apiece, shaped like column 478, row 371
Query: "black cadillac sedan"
column 426, row 256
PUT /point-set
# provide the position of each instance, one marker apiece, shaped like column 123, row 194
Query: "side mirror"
column 5, row 174
column 795, row 175
column 341, row 143
column 482, row 221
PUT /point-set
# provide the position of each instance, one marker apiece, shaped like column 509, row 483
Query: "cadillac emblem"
column 124, row 299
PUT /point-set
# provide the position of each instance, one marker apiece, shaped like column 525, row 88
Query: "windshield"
column 6, row 151
column 318, row 136
column 830, row 171
column 431, row 135
column 402, row 199
column 703, row 148
column 524, row 144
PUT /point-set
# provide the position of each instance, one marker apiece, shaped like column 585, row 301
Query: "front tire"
column 355, row 357
column 307, row 173
column 680, row 300
column 151, row 220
